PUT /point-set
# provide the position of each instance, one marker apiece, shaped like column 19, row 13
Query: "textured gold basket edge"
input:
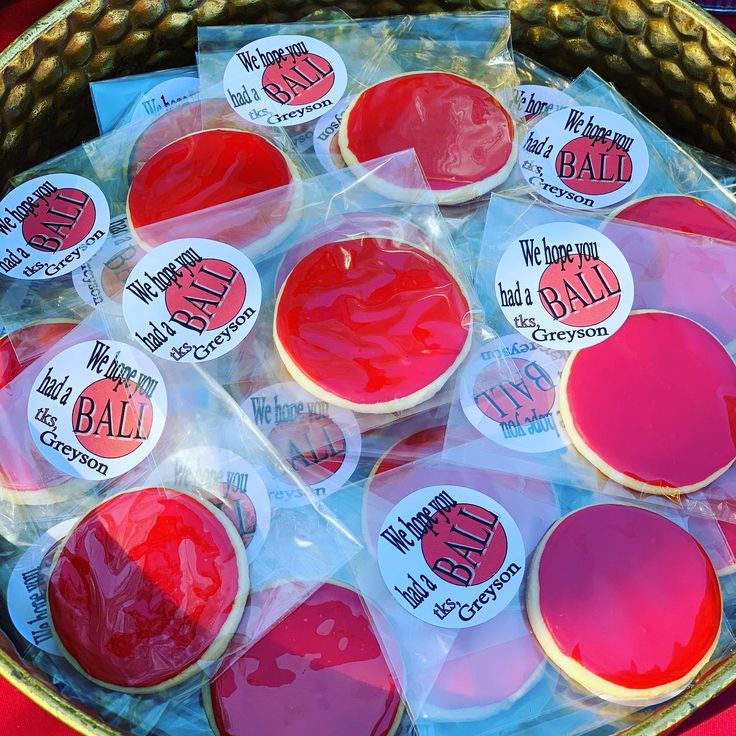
column 26, row 38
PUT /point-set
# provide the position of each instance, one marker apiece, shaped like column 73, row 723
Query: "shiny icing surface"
column 20, row 349
column 372, row 319
column 319, row 671
column 492, row 663
column 202, row 170
column 656, row 401
column 683, row 213
column 461, row 133
column 629, row 595
column 143, row 586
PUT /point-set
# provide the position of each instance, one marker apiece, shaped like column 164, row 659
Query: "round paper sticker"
column 102, row 279
column 97, row 409
column 51, row 225
column 451, row 556
column 284, row 80
column 536, row 99
column 584, row 158
column 320, row 443
column 509, row 393
column 326, row 144
column 564, row 285
column 192, row 300
column 164, row 96
column 227, row 481
column 27, row 589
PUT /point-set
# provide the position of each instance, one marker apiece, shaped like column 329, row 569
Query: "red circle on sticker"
column 112, row 421
column 116, row 270
column 61, row 220
column 298, row 81
column 206, row 296
column 465, row 545
column 521, row 391
column 239, row 508
column 588, row 167
column 314, row 446
column 580, row 295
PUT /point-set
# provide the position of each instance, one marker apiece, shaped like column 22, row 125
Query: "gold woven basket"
column 674, row 61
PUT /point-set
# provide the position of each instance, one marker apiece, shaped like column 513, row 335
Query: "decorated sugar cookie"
column 148, row 589
column 372, row 324
column 206, row 169
column 325, row 649
column 463, row 136
column 652, row 407
column 641, row 614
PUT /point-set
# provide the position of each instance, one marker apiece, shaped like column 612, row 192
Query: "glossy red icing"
column 319, row 671
column 23, row 346
column 202, row 170
column 372, row 319
column 629, row 595
column 683, row 213
column 656, row 400
column 461, row 133
column 143, row 586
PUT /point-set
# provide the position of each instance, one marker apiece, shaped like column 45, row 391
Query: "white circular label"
column 321, row 443
column 284, row 80
column 192, row 300
column 97, row 409
column 27, row 588
column 564, row 285
column 509, row 393
column 227, row 481
column 164, row 96
column 326, row 146
column 101, row 280
column 536, row 99
column 51, row 225
column 584, row 158
column 451, row 556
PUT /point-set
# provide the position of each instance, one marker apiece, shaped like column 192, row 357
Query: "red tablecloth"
column 20, row 717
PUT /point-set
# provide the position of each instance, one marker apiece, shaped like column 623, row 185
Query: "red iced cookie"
column 319, row 671
column 624, row 602
column 372, row 324
column 147, row 589
column 463, row 136
column 653, row 407
column 210, row 168
column 25, row 477
column 491, row 665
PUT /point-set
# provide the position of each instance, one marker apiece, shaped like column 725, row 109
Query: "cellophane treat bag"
column 151, row 532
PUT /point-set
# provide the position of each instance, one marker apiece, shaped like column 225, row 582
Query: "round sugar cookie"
column 653, row 407
column 463, row 136
column 25, row 477
column 320, row 670
column 147, row 589
column 624, row 602
column 372, row 324
column 491, row 666
column 209, row 168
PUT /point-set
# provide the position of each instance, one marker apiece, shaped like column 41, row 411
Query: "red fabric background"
column 20, row 717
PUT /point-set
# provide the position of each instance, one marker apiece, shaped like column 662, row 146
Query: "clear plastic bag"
column 526, row 395
column 162, row 516
column 124, row 100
